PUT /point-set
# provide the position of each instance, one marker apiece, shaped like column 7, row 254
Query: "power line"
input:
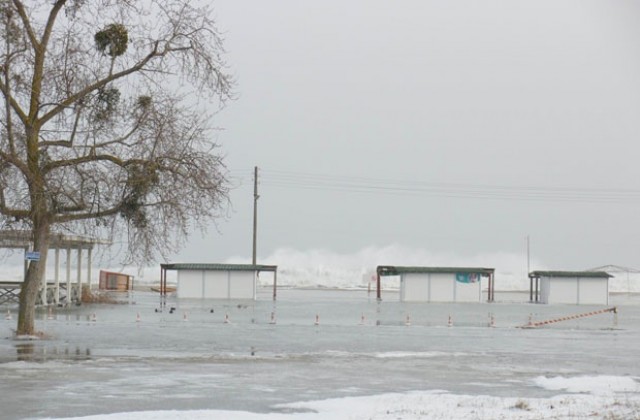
column 311, row 181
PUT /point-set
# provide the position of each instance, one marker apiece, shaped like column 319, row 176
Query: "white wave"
column 415, row 405
column 325, row 268
column 317, row 267
column 597, row 385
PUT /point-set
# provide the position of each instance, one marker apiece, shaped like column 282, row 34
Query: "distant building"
column 623, row 280
column 440, row 284
column 570, row 287
column 217, row 281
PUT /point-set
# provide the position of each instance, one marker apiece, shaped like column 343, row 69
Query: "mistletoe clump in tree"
column 104, row 126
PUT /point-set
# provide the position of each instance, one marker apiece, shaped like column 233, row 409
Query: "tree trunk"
column 31, row 284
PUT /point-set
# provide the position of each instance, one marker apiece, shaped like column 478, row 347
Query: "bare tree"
column 105, row 128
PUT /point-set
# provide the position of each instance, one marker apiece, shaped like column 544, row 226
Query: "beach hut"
column 439, row 284
column 217, row 281
column 570, row 287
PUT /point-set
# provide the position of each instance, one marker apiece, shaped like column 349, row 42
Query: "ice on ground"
column 414, row 354
column 597, row 385
column 435, row 405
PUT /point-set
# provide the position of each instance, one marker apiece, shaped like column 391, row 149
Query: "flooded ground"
column 308, row 345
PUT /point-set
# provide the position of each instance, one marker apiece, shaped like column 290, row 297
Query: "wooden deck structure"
column 52, row 292
column 10, row 293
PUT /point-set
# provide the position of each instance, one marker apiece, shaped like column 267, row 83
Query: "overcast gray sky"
column 458, row 127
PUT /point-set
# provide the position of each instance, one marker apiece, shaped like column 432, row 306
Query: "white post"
column 56, row 289
column 68, row 276
column 79, row 279
column 89, row 267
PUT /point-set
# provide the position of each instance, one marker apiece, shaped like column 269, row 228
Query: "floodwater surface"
column 308, row 345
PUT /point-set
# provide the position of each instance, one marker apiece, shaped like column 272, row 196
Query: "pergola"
column 573, row 285
column 22, row 239
column 391, row 270
column 206, row 267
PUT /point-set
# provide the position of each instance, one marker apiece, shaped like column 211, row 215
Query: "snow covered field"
column 362, row 361
column 428, row 405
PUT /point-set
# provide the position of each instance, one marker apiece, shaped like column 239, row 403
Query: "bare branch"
column 27, row 24
column 11, row 212
column 4, row 88
column 40, row 49
column 97, row 85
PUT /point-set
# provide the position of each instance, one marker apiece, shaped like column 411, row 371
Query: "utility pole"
column 255, row 212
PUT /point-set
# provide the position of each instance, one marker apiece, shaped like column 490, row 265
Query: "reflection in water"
column 32, row 352
column 24, row 351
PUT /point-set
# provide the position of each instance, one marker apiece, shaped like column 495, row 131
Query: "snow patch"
column 434, row 405
column 596, row 385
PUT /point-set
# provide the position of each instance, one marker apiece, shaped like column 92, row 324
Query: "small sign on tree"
column 32, row 256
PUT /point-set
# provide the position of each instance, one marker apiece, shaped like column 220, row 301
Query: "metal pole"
column 491, row 286
column 488, row 290
column 255, row 213
column 275, row 282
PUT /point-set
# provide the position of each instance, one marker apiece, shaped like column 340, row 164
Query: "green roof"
column 582, row 274
column 394, row 270
column 219, row 267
